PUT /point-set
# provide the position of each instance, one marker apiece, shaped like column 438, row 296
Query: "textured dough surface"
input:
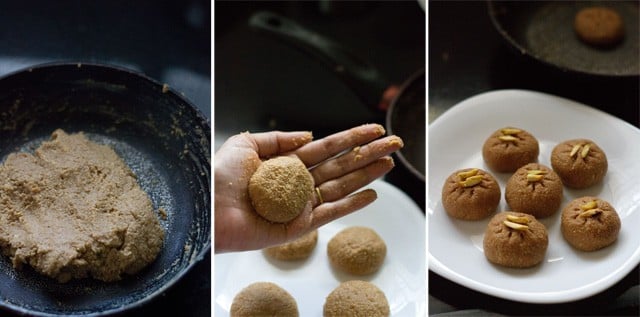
column 297, row 249
column 576, row 171
column 590, row 233
column 470, row 203
column 508, row 156
column 357, row 250
column 263, row 299
column 280, row 188
column 358, row 299
column 515, row 248
column 74, row 209
column 540, row 199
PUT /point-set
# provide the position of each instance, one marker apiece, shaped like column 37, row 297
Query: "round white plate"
column 394, row 216
column 566, row 274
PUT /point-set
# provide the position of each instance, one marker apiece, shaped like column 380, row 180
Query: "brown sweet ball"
column 470, row 194
column 280, row 188
column 263, row 299
column 509, row 148
column 599, row 26
column 298, row 249
column 534, row 189
column 357, row 250
column 589, row 223
column 356, row 298
column 580, row 163
column 515, row 239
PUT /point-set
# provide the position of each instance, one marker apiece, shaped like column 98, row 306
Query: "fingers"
column 339, row 188
column 272, row 143
column 320, row 150
column 328, row 212
column 355, row 159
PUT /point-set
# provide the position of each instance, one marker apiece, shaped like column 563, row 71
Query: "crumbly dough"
column 580, row 163
column 74, row 209
column 298, row 249
column 470, row 202
column 357, row 250
column 510, row 247
column 263, row 299
column 509, row 148
column 280, row 188
column 541, row 198
column 599, row 26
column 356, row 298
column 590, row 223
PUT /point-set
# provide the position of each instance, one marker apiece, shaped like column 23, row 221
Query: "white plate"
column 394, row 216
column 455, row 247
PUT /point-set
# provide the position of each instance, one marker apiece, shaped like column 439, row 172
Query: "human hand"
column 340, row 164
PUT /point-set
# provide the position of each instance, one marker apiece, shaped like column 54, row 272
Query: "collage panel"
column 319, row 123
column 105, row 158
column 532, row 178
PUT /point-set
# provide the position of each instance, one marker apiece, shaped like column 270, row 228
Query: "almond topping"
column 517, row 219
column 590, row 205
column 471, row 181
column 508, row 138
column 467, row 174
column 589, row 213
column 510, row 131
column 575, row 150
column 585, row 150
column 515, row 226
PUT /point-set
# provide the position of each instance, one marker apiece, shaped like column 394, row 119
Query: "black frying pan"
column 163, row 138
column 544, row 31
column 404, row 105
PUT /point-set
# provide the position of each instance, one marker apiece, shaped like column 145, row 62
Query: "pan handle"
column 358, row 74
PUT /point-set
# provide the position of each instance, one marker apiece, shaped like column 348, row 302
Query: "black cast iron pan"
column 543, row 30
column 163, row 138
column 404, row 105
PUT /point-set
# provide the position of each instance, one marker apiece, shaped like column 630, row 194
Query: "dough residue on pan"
column 74, row 209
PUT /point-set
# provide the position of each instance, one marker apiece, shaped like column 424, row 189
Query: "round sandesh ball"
column 280, row 188
column 263, row 299
column 509, row 148
column 356, row 298
column 357, row 250
column 298, row 249
column 534, row 189
column 470, row 194
column 580, row 163
column 590, row 223
column 599, row 26
column 515, row 240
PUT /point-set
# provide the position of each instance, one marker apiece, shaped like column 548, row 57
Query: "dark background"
column 169, row 41
column 467, row 56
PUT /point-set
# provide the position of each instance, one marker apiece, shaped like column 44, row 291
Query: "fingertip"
column 395, row 140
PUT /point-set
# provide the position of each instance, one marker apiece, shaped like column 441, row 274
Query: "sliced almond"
column 575, row 150
column 590, row 205
column 467, row 174
column 471, row 181
column 515, row 226
column 536, row 172
column 508, row 138
column 585, row 151
column 518, row 219
column 510, row 131
column 534, row 178
column 589, row 213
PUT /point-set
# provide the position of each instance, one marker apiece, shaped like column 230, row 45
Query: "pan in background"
column 404, row 106
column 544, row 31
column 163, row 138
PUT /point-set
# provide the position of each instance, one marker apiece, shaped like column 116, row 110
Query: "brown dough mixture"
column 74, row 209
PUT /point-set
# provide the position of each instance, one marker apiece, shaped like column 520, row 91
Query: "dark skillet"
column 163, row 138
column 544, row 31
column 404, row 105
